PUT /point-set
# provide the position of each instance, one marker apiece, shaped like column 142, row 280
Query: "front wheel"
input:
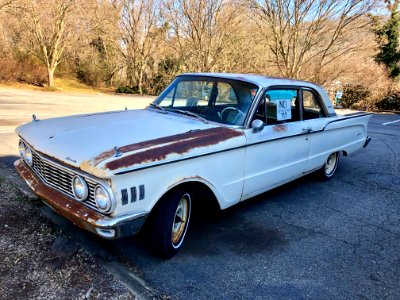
column 170, row 222
column 330, row 166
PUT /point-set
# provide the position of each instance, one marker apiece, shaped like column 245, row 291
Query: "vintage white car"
column 221, row 138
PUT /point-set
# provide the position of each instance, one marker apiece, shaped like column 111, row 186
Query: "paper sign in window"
column 284, row 110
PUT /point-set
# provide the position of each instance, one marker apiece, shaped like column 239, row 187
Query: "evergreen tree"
column 388, row 40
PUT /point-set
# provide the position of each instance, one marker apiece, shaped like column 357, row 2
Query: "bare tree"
column 52, row 46
column 48, row 29
column 95, row 51
column 201, row 30
column 303, row 33
column 140, row 35
column 6, row 4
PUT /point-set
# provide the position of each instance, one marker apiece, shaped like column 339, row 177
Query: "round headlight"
column 21, row 149
column 80, row 188
column 28, row 156
column 102, row 198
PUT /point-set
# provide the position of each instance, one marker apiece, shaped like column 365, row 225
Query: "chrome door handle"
column 307, row 130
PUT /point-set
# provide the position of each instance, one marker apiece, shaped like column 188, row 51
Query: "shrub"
column 390, row 102
column 25, row 70
column 353, row 93
column 90, row 74
column 127, row 90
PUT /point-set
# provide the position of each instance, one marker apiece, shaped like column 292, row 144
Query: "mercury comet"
column 214, row 139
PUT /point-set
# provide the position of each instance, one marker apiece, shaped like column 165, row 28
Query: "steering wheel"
column 237, row 110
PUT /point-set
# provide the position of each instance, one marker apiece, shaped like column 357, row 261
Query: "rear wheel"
column 169, row 223
column 330, row 166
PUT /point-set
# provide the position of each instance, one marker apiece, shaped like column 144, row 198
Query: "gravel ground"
column 38, row 261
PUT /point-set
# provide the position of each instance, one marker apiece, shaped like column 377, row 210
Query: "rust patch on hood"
column 222, row 131
column 175, row 144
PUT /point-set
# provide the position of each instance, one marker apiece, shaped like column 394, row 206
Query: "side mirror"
column 257, row 125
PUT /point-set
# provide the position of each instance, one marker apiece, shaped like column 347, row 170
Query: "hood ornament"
column 117, row 152
column 34, row 118
column 126, row 108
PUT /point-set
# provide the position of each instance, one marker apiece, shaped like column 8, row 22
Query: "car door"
column 322, row 142
column 277, row 153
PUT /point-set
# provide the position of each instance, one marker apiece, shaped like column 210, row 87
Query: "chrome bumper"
column 79, row 214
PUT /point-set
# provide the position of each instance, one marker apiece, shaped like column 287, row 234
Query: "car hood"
column 142, row 138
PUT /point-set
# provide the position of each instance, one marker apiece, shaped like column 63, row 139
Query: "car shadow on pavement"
column 231, row 230
column 235, row 231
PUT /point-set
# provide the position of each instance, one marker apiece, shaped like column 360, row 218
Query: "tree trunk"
column 50, row 76
column 140, row 81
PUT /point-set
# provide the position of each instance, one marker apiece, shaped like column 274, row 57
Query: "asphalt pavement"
column 337, row 239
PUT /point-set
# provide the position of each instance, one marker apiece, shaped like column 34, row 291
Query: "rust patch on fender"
column 87, row 167
column 279, row 128
column 176, row 144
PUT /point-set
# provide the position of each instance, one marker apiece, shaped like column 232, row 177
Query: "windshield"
column 213, row 99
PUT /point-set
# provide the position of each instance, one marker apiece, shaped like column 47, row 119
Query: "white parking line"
column 6, row 132
column 390, row 122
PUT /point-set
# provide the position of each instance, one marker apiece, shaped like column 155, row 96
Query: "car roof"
column 260, row 80
column 265, row 82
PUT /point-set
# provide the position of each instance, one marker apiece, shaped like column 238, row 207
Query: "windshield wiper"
column 189, row 113
column 158, row 107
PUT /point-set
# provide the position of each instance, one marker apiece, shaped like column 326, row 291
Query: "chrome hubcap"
column 180, row 219
column 330, row 164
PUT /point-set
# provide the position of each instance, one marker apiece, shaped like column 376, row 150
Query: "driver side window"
column 279, row 106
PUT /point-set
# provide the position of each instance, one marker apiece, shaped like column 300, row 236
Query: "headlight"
column 21, row 149
column 102, row 198
column 80, row 188
column 28, row 156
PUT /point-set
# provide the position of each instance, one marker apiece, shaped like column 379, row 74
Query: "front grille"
column 60, row 178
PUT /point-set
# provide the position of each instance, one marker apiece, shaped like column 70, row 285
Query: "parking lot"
column 307, row 239
column 17, row 107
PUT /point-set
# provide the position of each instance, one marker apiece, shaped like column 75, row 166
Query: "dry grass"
column 22, row 86
column 67, row 85
column 64, row 85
